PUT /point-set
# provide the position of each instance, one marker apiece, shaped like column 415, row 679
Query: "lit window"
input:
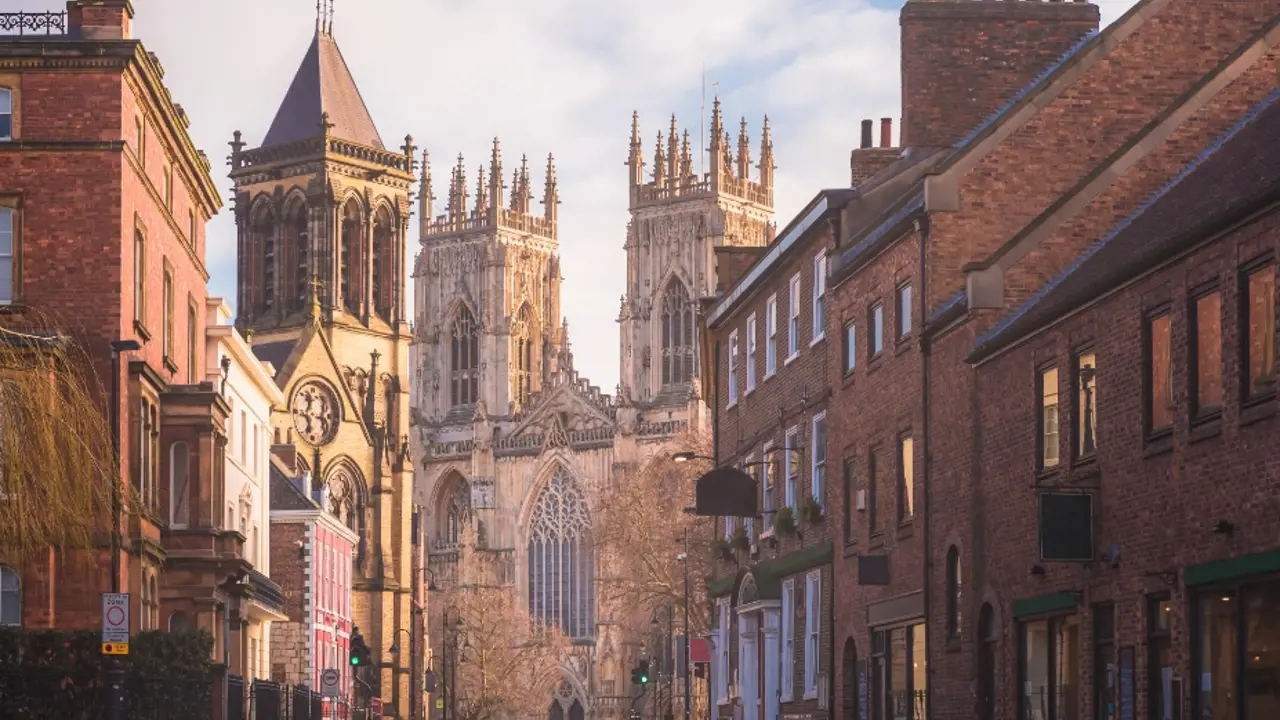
column 1206, row 353
column 1049, row 441
column 1260, row 332
column 906, row 479
column 1160, row 373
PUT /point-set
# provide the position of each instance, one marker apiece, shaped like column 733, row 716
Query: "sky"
column 558, row 76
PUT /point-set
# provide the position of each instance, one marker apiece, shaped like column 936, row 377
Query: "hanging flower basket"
column 811, row 511
column 784, row 521
column 740, row 540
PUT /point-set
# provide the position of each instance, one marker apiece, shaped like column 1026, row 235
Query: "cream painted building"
column 507, row 434
column 247, row 386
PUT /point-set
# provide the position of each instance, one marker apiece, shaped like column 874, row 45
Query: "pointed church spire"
column 495, row 175
column 766, row 156
column 716, row 164
column 686, row 160
column 550, row 195
column 426, row 198
column 744, row 152
column 728, row 154
column 515, row 190
column 659, row 164
column 482, row 197
column 635, row 159
column 526, row 187
column 673, row 154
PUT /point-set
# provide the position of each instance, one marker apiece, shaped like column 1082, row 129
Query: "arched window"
column 352, row 257
column 178, row 621
column 523, row 333
column 263, row 239
column 954, row 589
column 677, row 335
column 346, row 497
column 456, row 514
column 179, row 494
column 10, row 597
column 465, row 346
column 987, row 638
column 561, row 561
column 298, row 265
column 383, row 263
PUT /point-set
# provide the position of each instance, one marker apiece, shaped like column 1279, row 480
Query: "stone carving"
column 316, row 413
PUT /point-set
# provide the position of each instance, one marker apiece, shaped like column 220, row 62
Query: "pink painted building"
column 311, row 556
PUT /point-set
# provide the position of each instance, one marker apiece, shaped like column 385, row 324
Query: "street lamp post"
column 115, row 672
column 395, row 687
column 688, row 640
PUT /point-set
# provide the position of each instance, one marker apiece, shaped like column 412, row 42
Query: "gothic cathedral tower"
column 487, row 286
column 322, row 209
column 679, row 216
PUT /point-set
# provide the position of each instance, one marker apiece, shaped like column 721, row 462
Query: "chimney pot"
column 866, row 134
column 100, row 19
column 886, row 132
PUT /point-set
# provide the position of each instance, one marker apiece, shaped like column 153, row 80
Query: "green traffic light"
column 355, row 660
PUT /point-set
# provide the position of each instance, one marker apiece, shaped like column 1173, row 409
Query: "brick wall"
column 1157, row 501
column 962, row 59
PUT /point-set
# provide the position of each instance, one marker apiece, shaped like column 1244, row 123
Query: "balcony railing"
column 33, row 23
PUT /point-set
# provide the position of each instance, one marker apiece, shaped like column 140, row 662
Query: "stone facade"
column 506, row 427
column 322, row 211
column 773, row 590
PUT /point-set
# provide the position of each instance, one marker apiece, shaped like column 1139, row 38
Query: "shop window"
column 1050, row 669
column 900, row 689
column 1105, row 693
column 1160, row 695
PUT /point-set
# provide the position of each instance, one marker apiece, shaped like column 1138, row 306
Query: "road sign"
column 115, row 618
column 329, row 681
column 115, row 648
column 439, row 703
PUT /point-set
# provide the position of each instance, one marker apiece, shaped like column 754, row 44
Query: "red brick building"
column 773, row 591
column 1127, row 422
column 104, row 200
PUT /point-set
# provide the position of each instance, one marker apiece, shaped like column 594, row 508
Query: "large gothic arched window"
column 346, row 497
column 464, row 368
column 263, row 230
column 352, row 257
column 523, row 335
column 456, row 515
column 298, row 260
column 561, row 560
column 677, row 335
column 383, row 263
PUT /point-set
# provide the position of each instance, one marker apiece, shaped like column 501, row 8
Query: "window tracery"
column 383, row 263
column 456, row 514
column 561, row 560
column 677, row 335
column 522, row 342
column 264, row 240
column 299, row 262
column 346, row 499
column 465, row 347
column 352, row 257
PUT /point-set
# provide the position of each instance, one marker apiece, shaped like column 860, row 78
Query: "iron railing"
column 22, row 23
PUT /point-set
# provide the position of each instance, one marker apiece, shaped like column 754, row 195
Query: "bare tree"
column 56, row 464
column 502, row 655
column 646, row 537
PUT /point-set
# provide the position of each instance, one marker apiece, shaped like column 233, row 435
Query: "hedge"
column 59, row 675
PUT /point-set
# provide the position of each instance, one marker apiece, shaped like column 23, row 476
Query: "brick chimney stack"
column 866, row 134
column 963, row 59
column 886, row 132
column 100, row 19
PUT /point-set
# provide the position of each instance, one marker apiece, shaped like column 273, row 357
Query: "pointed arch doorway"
column 566, row 705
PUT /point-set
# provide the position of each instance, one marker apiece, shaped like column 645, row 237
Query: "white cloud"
column 557, row 76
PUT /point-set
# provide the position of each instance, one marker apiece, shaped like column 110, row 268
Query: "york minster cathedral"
column 507, row 437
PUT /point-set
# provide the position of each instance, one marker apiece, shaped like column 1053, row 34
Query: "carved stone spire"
column 426, row 198
column 550, row 194
column 716, row 165
column 717, row 123
column 458, row 214
column 495, row 176
column 673, row 154
column 635, row 159
column 766, row 156
column 659, row 164
column 728, row 154
column 686, row 160
column 526, row 187
column 744, row 152
column 482, row 197
column 515, row 190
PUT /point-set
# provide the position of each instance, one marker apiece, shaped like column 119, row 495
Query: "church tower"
column 487, row 286
column 679, row 215
column 322, row 208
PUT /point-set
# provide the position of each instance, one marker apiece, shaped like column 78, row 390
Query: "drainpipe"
column 715, row 408
column 922, row 229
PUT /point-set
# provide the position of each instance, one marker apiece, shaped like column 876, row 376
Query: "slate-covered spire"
column 323, row 84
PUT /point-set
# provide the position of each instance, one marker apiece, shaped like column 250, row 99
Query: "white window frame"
column 751, row 353
column 787, row 686
column 875, row 337
column 793, row 318
column 8, row 252
column 819, row 297
column 791, row 480
column 722, row 651
column 6, row 108
column 766, row 500
column 733, row 368
column 749, row 524
column 903, row 297
column 771, row 336
column 10, row 591
column 850, row 348
column 730, row 524
column 818, row 464
column 812, row 628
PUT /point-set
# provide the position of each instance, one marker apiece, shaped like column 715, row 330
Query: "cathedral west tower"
column 322, row 208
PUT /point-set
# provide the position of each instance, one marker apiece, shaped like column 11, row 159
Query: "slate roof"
column 1233, row 177
column 286, row 496
column 322, row 84
column 275, row 353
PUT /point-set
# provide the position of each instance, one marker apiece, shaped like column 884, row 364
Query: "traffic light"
column 359, row 651
column 640, row 675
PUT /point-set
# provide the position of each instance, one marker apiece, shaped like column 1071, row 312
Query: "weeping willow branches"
column 642, row 534
column 55, row 444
